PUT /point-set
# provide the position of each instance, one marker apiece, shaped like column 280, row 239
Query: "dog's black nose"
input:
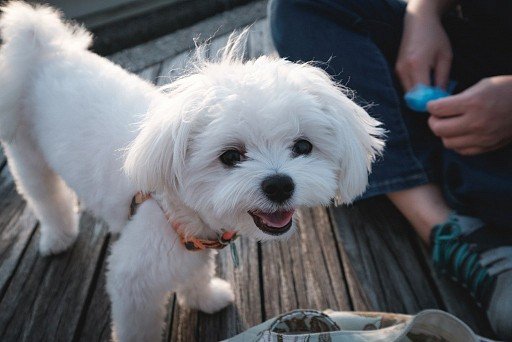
column 278, row 188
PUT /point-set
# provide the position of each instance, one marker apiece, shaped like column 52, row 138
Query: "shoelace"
column 467, row 266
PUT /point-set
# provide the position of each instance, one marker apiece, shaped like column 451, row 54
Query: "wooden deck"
column 363, row 257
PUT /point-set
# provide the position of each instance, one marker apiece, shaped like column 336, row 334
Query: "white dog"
column 232, row 147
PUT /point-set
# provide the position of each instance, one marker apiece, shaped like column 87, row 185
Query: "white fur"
column 70, row 119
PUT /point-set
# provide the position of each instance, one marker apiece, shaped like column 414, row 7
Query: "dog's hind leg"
column 47, row 195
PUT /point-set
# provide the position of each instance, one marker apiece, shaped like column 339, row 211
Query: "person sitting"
column 449, row 172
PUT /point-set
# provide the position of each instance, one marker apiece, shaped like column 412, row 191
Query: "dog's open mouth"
column 275, row 223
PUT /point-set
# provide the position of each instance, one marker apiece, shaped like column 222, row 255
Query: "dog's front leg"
column 146, row 263
column 204, row 291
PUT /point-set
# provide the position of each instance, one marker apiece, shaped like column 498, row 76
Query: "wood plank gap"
column 138, row 71
column 159, row 72
column 295, row 274
column 36, row 289
column 18, row 262
column 426, row 270
column 42, row 299
column 293, row 267
column 39, row 284
column 248, row 49
column 377, row 270
column 262, row 289
column 326, row 263
column 3, row 158
column 92, row 287
column 426, row 273
column 170, row 320
column 364, row 297
column 340, row 259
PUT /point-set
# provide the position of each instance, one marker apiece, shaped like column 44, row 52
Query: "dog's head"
column 245, row 144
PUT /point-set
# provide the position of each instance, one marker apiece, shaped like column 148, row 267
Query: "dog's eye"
column 231, row 157
column 302, row 147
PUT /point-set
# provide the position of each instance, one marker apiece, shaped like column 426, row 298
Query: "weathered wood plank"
column 3, row 159
column 17, row 224
column 136, row 22
column 141, row 56
column 171, row 303
column 14, row 238
column 150, row 73
column 46, row 294
column 172, row 68
column 259, row 41
column 376, row 240
column 94, row 323
column 359, row 299
column 305, row 271
column 9, row 198
column 216, row 47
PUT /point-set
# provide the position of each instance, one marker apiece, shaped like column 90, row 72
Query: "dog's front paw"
column 216, row 296
column 55, row 241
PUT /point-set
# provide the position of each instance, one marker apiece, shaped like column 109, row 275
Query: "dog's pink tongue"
column 276, row 219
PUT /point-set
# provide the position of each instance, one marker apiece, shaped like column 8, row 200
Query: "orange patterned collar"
column 191, row 243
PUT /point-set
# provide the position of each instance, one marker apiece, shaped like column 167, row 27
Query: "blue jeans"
column 358, row 42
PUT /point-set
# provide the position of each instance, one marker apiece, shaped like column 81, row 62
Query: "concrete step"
column 121, row 24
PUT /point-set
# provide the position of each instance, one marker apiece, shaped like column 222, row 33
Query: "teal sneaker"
column 479, row 259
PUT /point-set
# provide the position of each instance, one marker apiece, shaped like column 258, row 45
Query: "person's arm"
column 425, row 46
column 477, row 120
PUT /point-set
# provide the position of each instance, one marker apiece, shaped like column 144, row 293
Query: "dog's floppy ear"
column 362, row 140
column 358, row 136
column 156, row 157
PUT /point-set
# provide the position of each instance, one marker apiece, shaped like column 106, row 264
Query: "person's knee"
column 288, row 18
column 293, row 21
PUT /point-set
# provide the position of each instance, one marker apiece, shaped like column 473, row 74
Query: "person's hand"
column 425, row 46
column 477, row 120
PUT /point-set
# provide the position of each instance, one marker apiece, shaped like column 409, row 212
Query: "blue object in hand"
column 418, row 97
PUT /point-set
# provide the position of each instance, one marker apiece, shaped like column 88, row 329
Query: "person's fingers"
column 483, row 147
column 442, row 70
column 412, row 72
column 472, row 144
column 471, row 151
column 403, row 76
column 448, row 127
column 448, row 106
column 419, row 73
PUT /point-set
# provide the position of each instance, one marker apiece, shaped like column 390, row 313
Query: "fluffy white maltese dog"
column 231, row 148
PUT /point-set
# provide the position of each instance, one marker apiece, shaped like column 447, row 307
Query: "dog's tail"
column 27, row 33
